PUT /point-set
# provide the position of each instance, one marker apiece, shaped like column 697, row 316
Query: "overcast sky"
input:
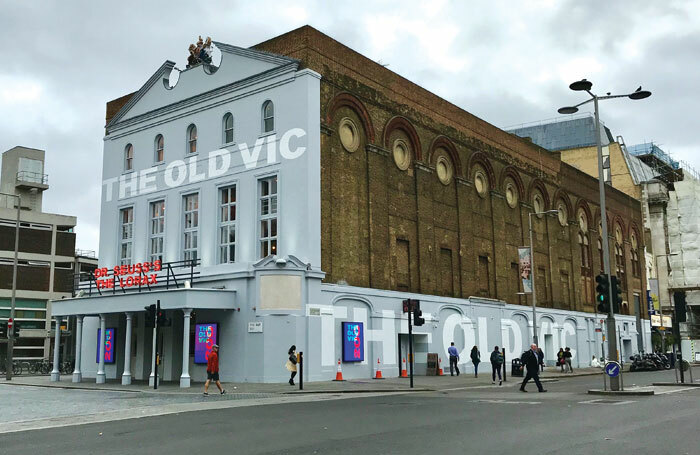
column 507, row 62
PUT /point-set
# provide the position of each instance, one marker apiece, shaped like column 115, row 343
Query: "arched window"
column 268, row 117
column 159, row 148
column 228, row 128
column 620, row 258
column 586, row 265
column 129, row 157
column 600, row 255
column 192, row 139
column 634, row 256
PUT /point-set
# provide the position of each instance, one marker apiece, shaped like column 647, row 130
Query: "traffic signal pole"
column 10, row 331
column 410, row 344
column 155, row 377
column 612, row 330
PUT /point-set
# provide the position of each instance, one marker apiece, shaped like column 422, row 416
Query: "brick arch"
column 583, row 204
column 512, row 172
column 537, row 184
column 609, row 219
column 634, row 228
column 352, row 102
column 564, row 196
column 617, row 219
column 481, row 159
column 403, row 124
column 444, row 142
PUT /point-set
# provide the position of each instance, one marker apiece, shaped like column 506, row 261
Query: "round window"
column 511, row 195
column 562, row 214
column 444, row 170
column 481, row 183
column 538, row 203
column 402, row 156
column 349, row 137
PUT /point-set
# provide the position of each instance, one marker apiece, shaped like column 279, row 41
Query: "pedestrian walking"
column 567, row 360
column 541, row 354
column 292, row 363
column 213, row 371
column 454, row 358
column 560, row 359
column 476, row 359
column 496, row 362
column 531, row 359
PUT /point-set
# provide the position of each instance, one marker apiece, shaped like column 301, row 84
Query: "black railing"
column 171, row 275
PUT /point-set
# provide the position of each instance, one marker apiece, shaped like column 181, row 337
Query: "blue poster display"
column 109, row 346
column 353, row 342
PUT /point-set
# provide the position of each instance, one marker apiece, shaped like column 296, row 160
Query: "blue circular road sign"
column 612, row 369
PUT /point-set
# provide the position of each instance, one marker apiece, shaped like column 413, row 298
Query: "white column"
column 56, row 373
column 185, row 377
column 151, row 378
column 77, row 375
column 101, row 366
column 126, row 376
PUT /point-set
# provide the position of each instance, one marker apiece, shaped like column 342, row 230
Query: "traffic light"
column 15, row 329
column 602, row 290
column 3, row 329
column 617, row 294
column 679, row 305
column 406, row 305
column 417, row 313
column 150, row 316
column 161, row 317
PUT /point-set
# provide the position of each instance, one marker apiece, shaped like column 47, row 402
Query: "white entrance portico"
column 133, row 355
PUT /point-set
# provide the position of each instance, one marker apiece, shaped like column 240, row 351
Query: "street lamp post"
column 585, row 86
column 10, row 332
column 532, row 274
column 661, row 309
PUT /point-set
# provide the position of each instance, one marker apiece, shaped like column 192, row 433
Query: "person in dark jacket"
column 541, row 354
column 567, row 360
column 496, row 363
column 560, row 359
column 476, row 360
column 291, row 364
column 531, row 360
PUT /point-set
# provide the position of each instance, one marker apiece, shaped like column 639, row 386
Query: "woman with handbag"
column 292, row 363
column 476, row 359
column 560, row 359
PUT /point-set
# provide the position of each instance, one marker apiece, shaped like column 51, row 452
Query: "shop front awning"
column 194, row 298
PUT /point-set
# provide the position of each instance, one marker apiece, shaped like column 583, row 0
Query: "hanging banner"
column 654, row 294
column 205, row 337
column 353, row 342
column 525, row 268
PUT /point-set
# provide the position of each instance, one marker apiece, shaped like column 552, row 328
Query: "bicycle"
column 67, row 367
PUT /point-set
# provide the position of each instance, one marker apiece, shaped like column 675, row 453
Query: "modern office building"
column 294, row 193
column 46, row 252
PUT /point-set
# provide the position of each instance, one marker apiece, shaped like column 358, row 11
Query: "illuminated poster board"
column 205, row 337
column 110, row 347
column 353, row 342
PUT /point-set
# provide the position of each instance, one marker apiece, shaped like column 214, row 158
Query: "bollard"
column 301, row 370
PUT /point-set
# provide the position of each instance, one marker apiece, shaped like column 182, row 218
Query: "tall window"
column 157, row 232
column 586, row 269
column 600, row 255
column 634, row 256
column 126, row 237
column 191, row 226
column 228, row 128
column 268, row 216
column 227, row 224
column 159, row 146
column 620, row 258
column 268, row 116
column 484, row 279
column 541, row 286
column 403, row 265
column 129, row 157
column 192, row 139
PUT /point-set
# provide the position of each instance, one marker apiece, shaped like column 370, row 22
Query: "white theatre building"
column 212, row 175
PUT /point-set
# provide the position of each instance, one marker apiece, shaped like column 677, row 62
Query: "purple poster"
column 109, row 346
column 204, row 340
column 353, row 342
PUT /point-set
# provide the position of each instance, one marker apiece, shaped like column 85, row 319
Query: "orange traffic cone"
column 404, row 373
column 378, row 374
column 440, row 373
column 339, row 374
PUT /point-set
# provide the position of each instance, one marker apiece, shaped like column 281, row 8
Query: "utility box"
column 516, row 368
column 432, row 364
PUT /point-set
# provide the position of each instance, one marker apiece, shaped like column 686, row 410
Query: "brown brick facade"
column 387, row 228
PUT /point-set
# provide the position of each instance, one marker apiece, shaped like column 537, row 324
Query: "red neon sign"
column 128, row 275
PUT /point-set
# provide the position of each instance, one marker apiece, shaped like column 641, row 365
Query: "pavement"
column 464, row 416
column 394, row 384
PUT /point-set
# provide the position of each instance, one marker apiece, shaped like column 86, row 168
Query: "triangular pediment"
column 237, row 65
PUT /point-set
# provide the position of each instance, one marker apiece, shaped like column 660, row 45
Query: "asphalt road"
column 487, row 420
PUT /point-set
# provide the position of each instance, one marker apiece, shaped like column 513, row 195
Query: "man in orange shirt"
column 213, row 370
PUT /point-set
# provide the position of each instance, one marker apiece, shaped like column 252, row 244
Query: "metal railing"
column 33, row 177
column 85, row 253
column 172, row 274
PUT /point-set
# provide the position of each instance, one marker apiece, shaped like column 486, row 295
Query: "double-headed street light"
column 532, row 273
column 585, row 86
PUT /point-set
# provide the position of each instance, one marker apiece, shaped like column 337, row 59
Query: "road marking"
column 666, row 391
column 607, row 401
column 505, row 402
